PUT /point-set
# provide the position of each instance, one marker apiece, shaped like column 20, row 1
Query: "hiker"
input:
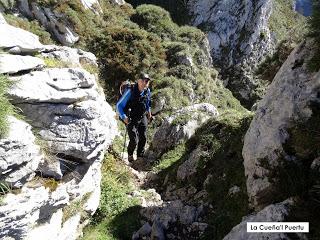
column 134, row 109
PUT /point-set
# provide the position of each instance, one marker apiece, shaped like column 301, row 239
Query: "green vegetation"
column 178, row 9
column 314, row 31
column 169, row 159
column 285, row 22
column 55, row 63
column 117, row 215
column 271, row 65
column 5, row 106
column 75, row 207
column 289, row 28
column 222, row 140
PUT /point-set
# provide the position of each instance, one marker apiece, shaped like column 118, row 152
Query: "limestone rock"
column 145, row 230
column 52, row 21
column 181, row 126
column 65, row 105
column 157, row 231
column 286, row 103
column 234, row 26
column 20, row 156
column 73, row 56
column 94, row 5
column 19, row 40
column 15, row 63
column 2, row 20
column 239, row 38
column 118, row 2
column 273, row 213
column 189, row 167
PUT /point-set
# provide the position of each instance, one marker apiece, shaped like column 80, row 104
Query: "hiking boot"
column 130, row 158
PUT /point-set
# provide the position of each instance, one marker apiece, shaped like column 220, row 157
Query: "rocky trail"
column 162, row 218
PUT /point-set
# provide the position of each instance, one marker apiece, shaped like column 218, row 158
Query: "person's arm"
column 121, row 104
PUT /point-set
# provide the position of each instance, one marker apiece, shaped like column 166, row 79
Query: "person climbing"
column 134, row 109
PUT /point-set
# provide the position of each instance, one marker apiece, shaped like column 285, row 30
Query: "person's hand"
column 150, row 117
column 126, row 121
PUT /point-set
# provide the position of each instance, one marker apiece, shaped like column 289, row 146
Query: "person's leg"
column 133, row 138
column 142, row 134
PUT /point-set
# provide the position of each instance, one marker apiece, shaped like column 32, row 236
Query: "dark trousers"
column 137, row 131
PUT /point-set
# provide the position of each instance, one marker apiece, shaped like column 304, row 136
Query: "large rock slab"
column 273, row 213
column 288, row 102
column 18, row 40
column 68, row 109
column 16, row 63
column 66, row 85
column 19, row 155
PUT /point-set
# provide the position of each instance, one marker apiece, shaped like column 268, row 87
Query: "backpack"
column 125, row 85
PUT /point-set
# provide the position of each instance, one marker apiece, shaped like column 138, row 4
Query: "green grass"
column 75, row 207
column 170, row 158
column 118, row 215
column 55, row 63
column 6, row 108
column 222, row 139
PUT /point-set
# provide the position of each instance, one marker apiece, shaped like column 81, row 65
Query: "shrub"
column 123, row 53
column 156, row 20
column 190, row 34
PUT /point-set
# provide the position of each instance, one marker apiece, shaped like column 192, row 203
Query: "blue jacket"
column 123, row 101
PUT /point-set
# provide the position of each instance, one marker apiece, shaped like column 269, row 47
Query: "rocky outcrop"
column 180, row 127
column 272, row 147
column 165, row 220
column 234, row 29
column 71, row 56
column 273, row 213
column 239, row 38
column 50, row 168
column 16, row 40
column 51, row 20
column 20, row 156
column 15, row 63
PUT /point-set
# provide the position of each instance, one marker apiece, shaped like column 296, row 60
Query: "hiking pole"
column 125, row 134
column 124, row 144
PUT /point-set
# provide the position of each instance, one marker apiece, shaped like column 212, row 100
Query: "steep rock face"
column 234, row 29
column 239, row 38
column 51, row 20
column 274, row 147
column 57, row 167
